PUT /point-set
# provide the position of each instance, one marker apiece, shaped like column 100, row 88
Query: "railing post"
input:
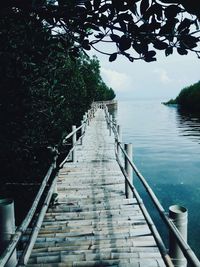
column 129, row 150
column 82, row 132
column 7, row 228
column 178, row 215
column 110, row 126
column 88, row 116
column 73, row 144
column 119, row 137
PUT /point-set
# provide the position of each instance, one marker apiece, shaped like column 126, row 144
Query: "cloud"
column 163, row 75
column 119, row 81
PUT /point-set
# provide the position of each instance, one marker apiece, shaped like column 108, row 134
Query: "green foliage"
column 189, row 97
column 170, row 102
column 43, row 91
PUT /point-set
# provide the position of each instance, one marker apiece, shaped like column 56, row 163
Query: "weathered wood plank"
column 92, row 223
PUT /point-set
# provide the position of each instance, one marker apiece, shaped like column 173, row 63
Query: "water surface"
column 166, row 146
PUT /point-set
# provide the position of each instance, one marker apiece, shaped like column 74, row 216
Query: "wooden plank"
column 93, row 224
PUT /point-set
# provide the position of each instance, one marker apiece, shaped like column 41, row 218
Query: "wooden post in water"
column 179, row 216
column 129, row 150
column 7, row 228
column 73, row 144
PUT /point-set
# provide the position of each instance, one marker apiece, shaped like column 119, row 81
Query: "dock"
column 93, row 223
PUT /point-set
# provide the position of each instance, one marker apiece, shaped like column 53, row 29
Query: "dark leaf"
column 86, row 45
column 125, row 16
column 184, row 25
column 172, row 11
column 133, row 28
column 169, row 51
column 99, row 36
column 115, row 38
column 160, row 45
column 140, row 48
column 119, row 5
column 182, row 51
column 158, row 11
column 169, row 27
column 144, row 6
column 96, row 4
column 103, row 21
column 133, row 8
column 150, row 53
column 104, row 8
column 88, row 5
column 113, row 57
column 124, row 43
column 91, row 26
column 188, row 42
column 123, row 26
column 150, row 59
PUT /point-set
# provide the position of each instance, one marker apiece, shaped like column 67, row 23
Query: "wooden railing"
column 174, row 231
column 17, row 236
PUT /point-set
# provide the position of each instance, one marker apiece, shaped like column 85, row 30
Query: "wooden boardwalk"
column 93, row 224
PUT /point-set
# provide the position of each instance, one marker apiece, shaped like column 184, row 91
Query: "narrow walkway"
column 93, row 224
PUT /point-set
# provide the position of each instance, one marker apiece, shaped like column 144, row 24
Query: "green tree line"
column 43, row 91
column 188, row 98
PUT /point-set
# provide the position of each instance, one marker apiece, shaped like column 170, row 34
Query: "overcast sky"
column 162, row 79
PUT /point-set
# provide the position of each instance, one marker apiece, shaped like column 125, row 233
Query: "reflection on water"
column 189, row 124
column 166, row 145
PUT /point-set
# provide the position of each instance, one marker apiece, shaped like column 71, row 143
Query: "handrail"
column 69, row 153
column 5, row 256
column 75, row 131
column 187, row 251
column 23, row 227
column 161, row 245
column 26, row 253
column 185, row 248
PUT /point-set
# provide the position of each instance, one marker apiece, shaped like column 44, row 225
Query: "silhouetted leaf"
column 140, row 48
column 150, row 53
column 113, row 57
column 182, row 51
column 123, row 26
column 150, row 59
column 184, row 25
column 133, row 28
column 124, row 43
column 149, row 56
column 88, row 5
column 103, row 20
column 115, row 38
column 172, row 11
column 125, row 16
column 144, row 6
column 160, row 45
column 188, row 41
column 96, row 4
column 158, row 11
column 86, row 45
column 91, row 26
column 169, row 51
column 119, row 5
column 99, row 36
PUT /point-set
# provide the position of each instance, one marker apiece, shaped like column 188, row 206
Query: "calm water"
column 167, row 152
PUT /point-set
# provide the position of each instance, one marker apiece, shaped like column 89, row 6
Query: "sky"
column 162, row 79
